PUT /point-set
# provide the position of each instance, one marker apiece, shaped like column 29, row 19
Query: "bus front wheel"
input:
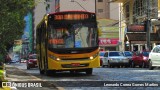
column 89, row 71
column 48, row 72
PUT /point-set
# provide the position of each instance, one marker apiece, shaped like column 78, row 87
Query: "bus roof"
column 68, row 11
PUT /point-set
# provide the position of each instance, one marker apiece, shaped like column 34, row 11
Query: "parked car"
column 23, row 60
column 101, row 53
column 140, row 59
column 32, row 61
column 115, row 58
column 128, row 54
column 154, row 57
column 15, row 59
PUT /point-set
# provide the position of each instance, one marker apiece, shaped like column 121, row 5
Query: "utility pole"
column 95, row 6
column 120, row 25
column 148, row 26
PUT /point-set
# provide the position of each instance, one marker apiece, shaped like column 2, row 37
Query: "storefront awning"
column 141, row 38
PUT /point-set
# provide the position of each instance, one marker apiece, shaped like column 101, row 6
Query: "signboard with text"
column 135, row 28
column 108, row 41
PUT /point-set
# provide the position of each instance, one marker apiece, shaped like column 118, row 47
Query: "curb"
column 38, row 79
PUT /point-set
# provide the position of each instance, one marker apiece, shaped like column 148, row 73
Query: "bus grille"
column 75, row 58
column 71, row 66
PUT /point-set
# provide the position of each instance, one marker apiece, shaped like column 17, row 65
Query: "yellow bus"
column 67, row 41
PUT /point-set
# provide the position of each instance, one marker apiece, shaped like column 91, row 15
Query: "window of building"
column 100, row 10
column 140, row 9
column 127, row 11
column 100, row 0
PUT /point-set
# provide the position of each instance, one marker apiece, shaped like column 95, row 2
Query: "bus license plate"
column 75, row 64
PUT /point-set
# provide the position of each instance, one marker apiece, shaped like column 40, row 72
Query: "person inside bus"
column 66, row 33
column 68, row 38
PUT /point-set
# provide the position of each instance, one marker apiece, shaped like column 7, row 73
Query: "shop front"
column 138, row 42
column 107, row 44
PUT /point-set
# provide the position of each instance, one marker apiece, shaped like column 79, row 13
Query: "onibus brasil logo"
column 21, row 84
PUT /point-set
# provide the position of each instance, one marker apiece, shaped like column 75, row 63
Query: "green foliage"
column 12, row 23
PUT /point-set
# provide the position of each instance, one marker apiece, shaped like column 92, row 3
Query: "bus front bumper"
column 71, row 64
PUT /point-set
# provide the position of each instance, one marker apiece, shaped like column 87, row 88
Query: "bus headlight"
column 54, row 58
column 58, row 59
column 91, row 57
column 94, row 56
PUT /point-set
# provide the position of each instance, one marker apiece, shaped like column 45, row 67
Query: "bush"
column 2, row 66
column 2, row 75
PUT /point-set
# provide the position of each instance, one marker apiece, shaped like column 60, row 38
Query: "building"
column 103, row 8
column 139, row 24
column 17, row 48
column 38, row 13
column 107, row 10
column 107, row 18
column 80, row 5
column 109, row 38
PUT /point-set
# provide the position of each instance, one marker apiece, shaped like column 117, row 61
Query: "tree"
column 12, row 23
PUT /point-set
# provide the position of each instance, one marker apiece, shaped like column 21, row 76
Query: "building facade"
column 107, row 18
column 39, row 11
column 107, row 10
column 76, row 5
column 103, row 8
column 139, row 24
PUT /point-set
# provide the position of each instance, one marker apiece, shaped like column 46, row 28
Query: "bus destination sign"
column 71, row 17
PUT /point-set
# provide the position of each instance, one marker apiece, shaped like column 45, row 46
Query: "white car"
column 101, row 53
column 115, row 58
column 154, row 57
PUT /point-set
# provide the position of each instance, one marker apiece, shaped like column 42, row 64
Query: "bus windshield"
column 77, row 35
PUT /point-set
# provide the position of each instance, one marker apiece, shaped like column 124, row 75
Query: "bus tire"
column 89, row 71
column 48, row 73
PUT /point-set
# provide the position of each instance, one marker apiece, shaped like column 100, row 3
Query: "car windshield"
column 127, row 53
column 16, row 57
column 115, row 54
column 145, row 53
column 101, row 53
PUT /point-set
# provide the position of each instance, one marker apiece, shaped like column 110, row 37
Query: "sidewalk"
column 15, row 74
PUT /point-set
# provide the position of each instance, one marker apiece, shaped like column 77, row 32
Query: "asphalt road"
column 101, row 78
